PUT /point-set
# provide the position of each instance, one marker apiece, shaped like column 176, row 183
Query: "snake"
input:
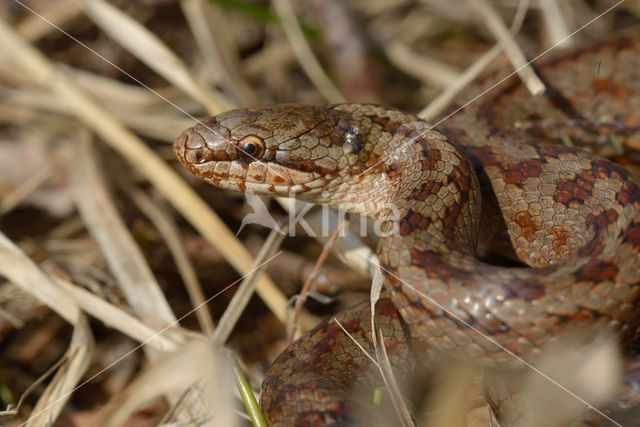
column 501, row 229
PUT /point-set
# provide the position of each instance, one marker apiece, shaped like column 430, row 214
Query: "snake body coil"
column 494, row 177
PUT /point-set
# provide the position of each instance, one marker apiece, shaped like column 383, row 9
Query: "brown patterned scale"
column 495, row 179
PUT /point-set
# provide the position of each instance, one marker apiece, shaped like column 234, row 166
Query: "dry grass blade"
column 197, row 362
column 275, row 55
column 557, row 27
column 511, row 48
column 355, row 341
column 119, row 319
column 190, row 205
column 194, row 12
column 33, row 28
column 10, row 200
column 18, row 268
column 66, row 379
column 12, row 410
column 219, row 56
column 171, row 235
column 24, row 273
column 160, row 125
column 435, row 107
column 123, row 256
column 150, row 50
column 119, row 95
column 426, row 69
column 381, row 362
column 347, row 51
column 384, row 365
column 247, row 287
column 389, row 378
column 306, row 58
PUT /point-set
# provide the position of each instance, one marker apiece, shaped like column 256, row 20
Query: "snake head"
column 283, row 150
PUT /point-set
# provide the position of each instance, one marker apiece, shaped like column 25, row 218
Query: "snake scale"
column 494, row 177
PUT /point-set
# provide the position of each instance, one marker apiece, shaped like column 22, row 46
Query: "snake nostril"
column 199, row 157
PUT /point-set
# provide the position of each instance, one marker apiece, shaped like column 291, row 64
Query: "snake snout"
column 191, row 149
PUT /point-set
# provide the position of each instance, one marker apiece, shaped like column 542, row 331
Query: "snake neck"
column 436, row 203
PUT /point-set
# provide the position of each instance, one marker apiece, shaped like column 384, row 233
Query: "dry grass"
column 100, row 228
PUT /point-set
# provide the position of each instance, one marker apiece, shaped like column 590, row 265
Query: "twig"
column 511, row 48
column 247, row 288
column 436, row 106
column 171, row 235
column 350, row 249
column 304, row 293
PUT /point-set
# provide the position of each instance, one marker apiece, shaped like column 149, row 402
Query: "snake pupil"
column 250, row 148
column 357, row 147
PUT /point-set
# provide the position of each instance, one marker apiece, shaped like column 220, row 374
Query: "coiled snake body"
column 493, row 178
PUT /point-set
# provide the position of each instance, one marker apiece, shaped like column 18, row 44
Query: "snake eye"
column 250, row 148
